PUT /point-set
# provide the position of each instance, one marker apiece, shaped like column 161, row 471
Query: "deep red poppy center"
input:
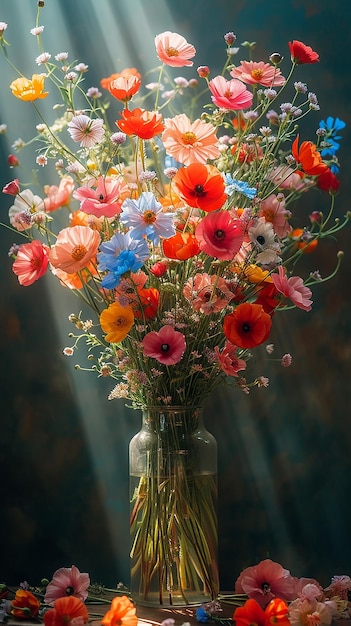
column 246, row 329
column 199, row 191
column 165, row 347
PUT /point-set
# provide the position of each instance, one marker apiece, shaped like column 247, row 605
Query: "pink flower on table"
column 228, row 359
column 339, row 586
column 86, row 131
column 220, row 235
column 258, row 73
column 106, row 199
column 229, row 94
column 190, row 142
column 207, row 294
column 58, row 196
column 31, row 262
column 265, row 581
column 311, row 613
column 67, row 581
column 293, row 288
column 166, row 346
column 174, row 50
column 274, row 211
column 75, row 247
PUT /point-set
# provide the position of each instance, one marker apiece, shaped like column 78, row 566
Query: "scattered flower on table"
column 67, row 611
column 67, row 581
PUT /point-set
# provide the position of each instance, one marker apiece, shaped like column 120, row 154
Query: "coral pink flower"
column 75, row 247
column 313, row 613
column 190, row 142
column 68, row 611
column 228, row 359
column 104, row 200
column 166, row 346
column 294, row 289
column 258, row 73
column 124, row 87
column 286, row 178
column 58, row 196
column 67, row 581
column 265, row 581
column 12, row 188
column 31, row 262
column 300, row 53
column 174, row 50
column 274, row 211
column 220, row 235
column 207, row 294
column 229, row 94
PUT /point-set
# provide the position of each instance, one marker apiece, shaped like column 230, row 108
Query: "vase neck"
column 160, row 419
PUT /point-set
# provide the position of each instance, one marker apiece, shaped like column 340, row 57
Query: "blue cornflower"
column 145, row 216
column 201, row 615
column 119, row 255
column 331, row 126
column 232, row 184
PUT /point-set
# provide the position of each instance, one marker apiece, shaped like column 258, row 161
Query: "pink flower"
column 219, row 235
column 86, row 131
column 74, row 248
column 166, row 346
column 293, row 288
column 339, row 586
column 104, row 201
column 31, row 262
column 286, row 178
column 311, row 613
column 229, row 94
column 228, row 359
column 12, row 188
column 207, row 294
column 67, row 581
column 258, row 72
column 266, row 581
column 190, row 142
column 274, row 211
column 58, row 196
column 174, row 50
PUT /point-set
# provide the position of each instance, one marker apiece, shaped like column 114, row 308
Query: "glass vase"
column 173, row 523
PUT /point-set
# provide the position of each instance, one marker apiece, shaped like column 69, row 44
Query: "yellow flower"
column 116, row 321
column 29, row 90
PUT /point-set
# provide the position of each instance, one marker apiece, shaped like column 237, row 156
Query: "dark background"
column 284, row 452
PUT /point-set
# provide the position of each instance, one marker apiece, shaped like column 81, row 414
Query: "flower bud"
column 315, row 216
column 12, row 188
column 229, row 38
column 276, row 58
column 12, row 160
column 203, row 71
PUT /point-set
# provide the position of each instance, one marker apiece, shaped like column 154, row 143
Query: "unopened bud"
column 276, row 58
column 203, row 71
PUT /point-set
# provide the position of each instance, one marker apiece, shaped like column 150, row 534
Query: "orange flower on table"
column 67, row 610
column 121, row 613
column 116, row 321
column 128, row 71
column 75, row 247
column 248, row 325
column 27, row 89
column 25, row 605
column 181, row 246
column 190, row 142
column 124, row 87
column 201, row 186
column 142, row 123
column 276, row 612
column 308, row 157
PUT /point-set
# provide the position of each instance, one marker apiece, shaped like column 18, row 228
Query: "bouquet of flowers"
column 173, row 213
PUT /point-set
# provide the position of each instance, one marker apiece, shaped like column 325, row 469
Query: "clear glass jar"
column 173, row 523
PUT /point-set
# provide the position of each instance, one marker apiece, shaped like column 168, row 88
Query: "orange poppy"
column 128, row 71
column 25, row 605
column 124, row 87
column 143, row 124
column 116, row 321
column 147, row 303
column 248, row 326
column 121, row 613
column 201, row 186
column 276, row 612
column 65, row 610
column 182, row 246
column 27, row 89
column 300, row 243
column 308, row 157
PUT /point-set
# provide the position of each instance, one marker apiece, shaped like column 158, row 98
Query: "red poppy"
column 300, row 53
column 267, row 297
column 143, row 124
column 327, row 181
column 65, row 610
column 182, row 246
column 147, row 303
column 308, row 157
column 25, row 605
column 248, row 326
column 201, row 186
column 276, row 612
